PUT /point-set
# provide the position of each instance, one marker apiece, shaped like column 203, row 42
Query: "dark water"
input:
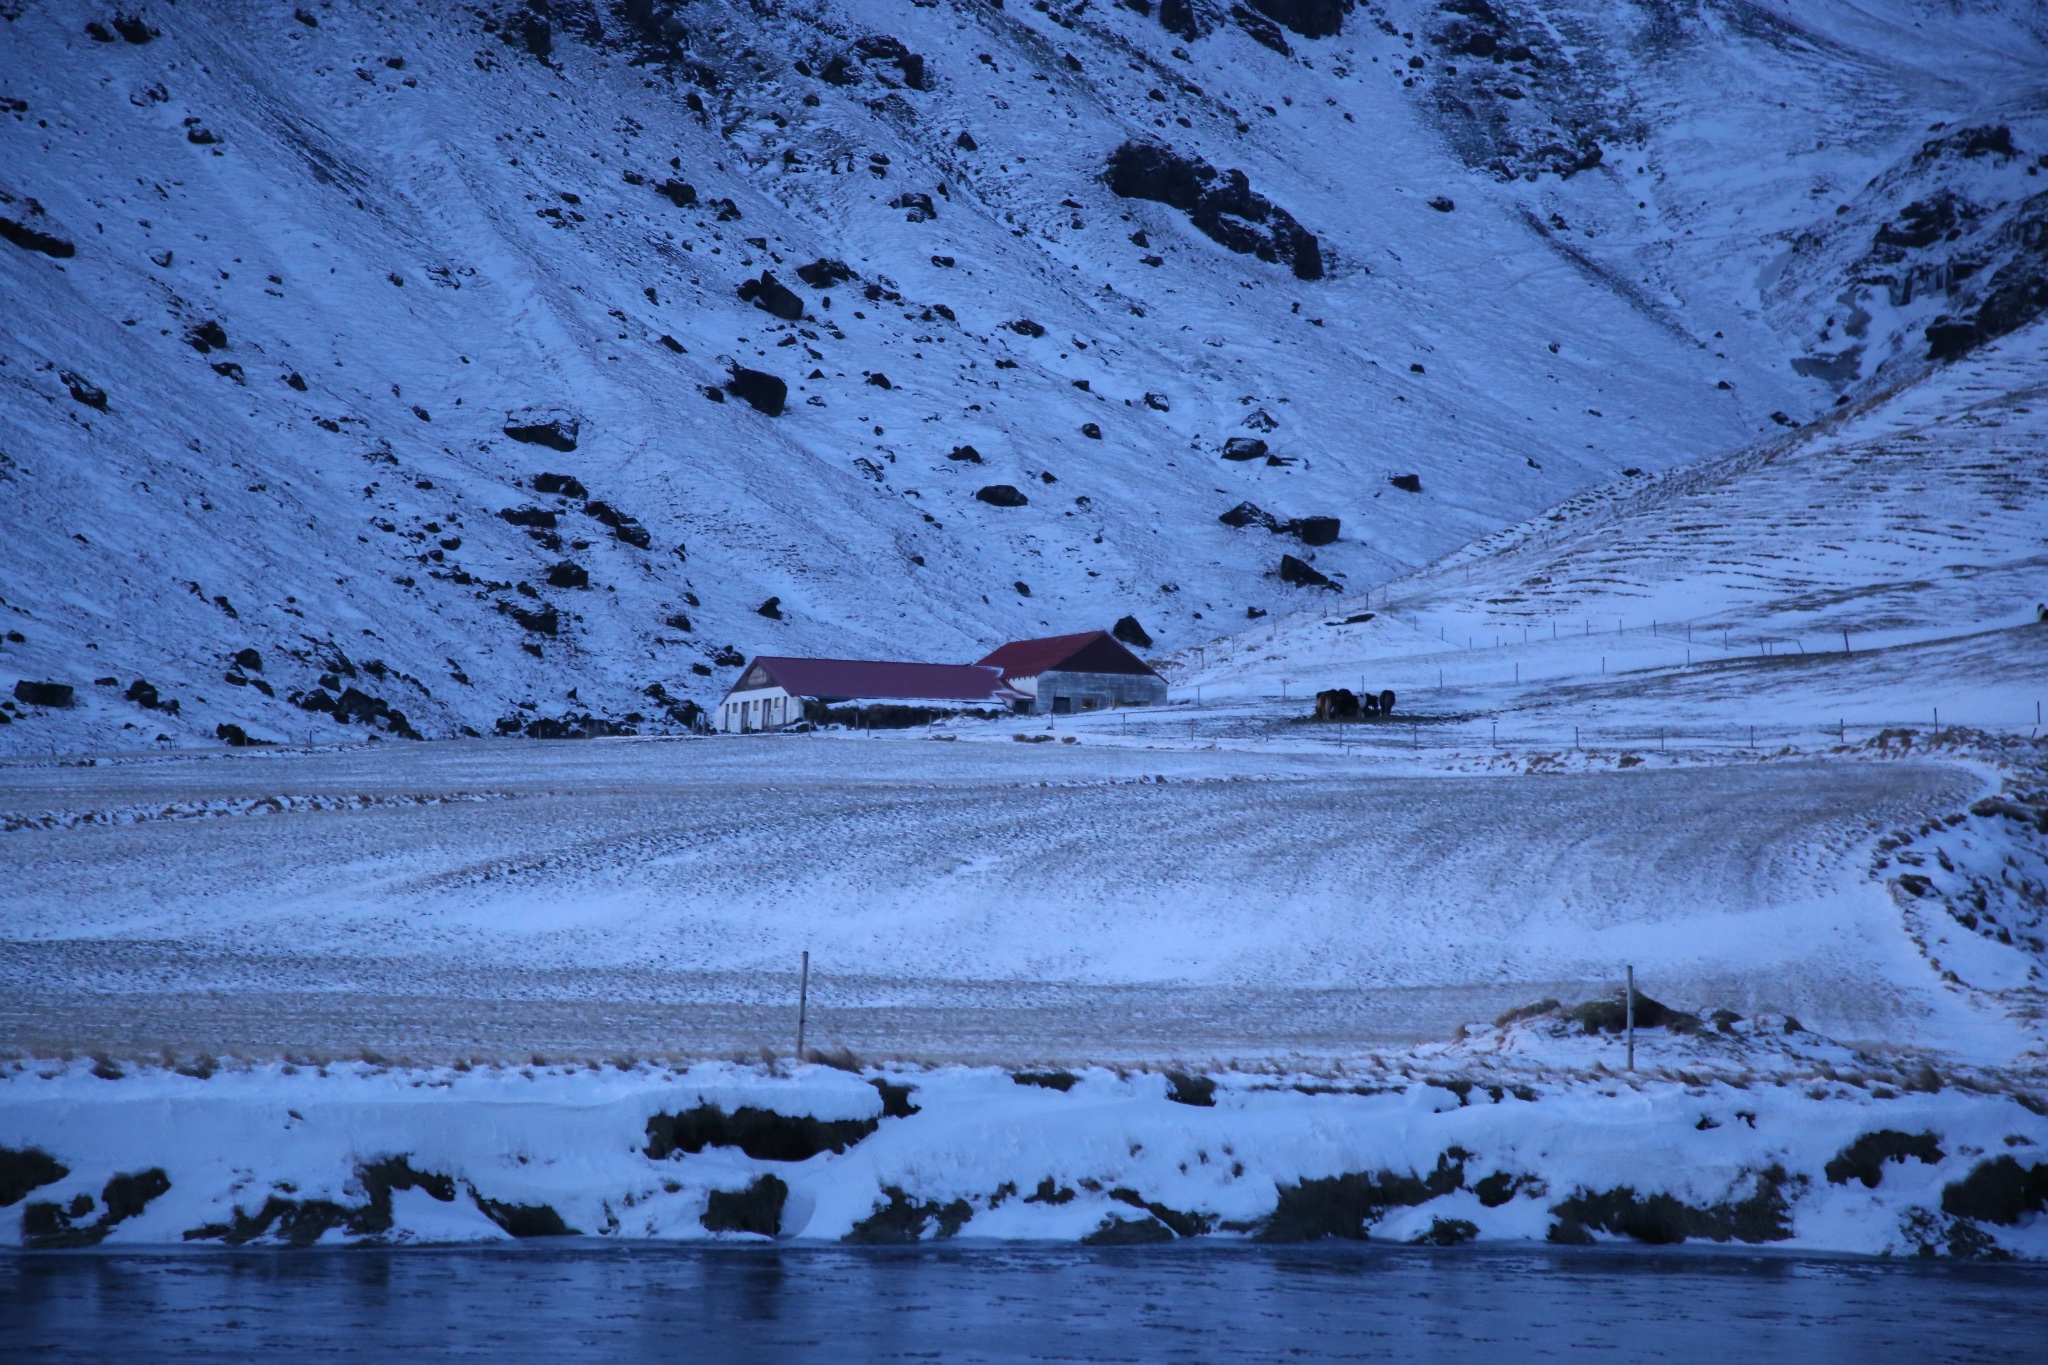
column 1035, row 1304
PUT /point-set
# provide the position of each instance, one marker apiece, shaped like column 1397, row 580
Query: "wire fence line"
column 1466, row 733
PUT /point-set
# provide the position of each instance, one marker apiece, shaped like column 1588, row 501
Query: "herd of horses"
column 1341, row 703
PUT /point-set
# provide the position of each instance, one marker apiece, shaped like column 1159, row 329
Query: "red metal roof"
column 847, row 679
column 1092, row 651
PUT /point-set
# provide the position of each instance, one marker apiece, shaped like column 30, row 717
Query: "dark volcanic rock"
column 1244, row 448
column 1025, row 327
column 1309, row 18
column 568, row 575
column 1302, row 574
column 1184, row 19
column 772, row 609
column 144, row 694
column 823, row 273
column 622, row 526
column 1249, row 514
column 544, row 621
column 84, row 391
column 880, row 47
column 681, row 193
column 567, row 485
column 30, row 238
column 1221, row 204
column 1261, row 30
column 1315, row 530
column 1002, row 495
column 757, row 388
column 1130, row 632
column 249, row 660
column 550, row 427
column 767, row 294
column 540, row 517
column 921, row 209
column 206, row 336
column 43, row 693
column 965, row 455
column 1411, row 483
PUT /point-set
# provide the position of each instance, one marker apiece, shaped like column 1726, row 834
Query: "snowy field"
column 998, row 901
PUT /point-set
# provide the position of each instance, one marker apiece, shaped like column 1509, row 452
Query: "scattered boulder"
column 1130, row 632
column 1407, row 483
column 544, row 620
column 767, row 294
column 30, row 238
column 566, row 485
column 144, row 694
column 568, row 575
column 235, row 737
column 879, row 380
column 823, row 273
column 1221, row 205
column 919, row 206
column 1315, row 530
column 763, row 392
column 965, row 455
column 1249, row 514
column 84, row 391
column 1244, row 448
column 1309, row 18
column 554, row 428
column 541, row 518
column 1002, row 495
column 52, row 694
column 681, row 193
column 622, row 526
column 1185, row 19
column 206, row 336
column 1302, row 574
column 1442, row 203
column 249, row 660
column 772, row 609
column 1261, row 30
column 1025, row 327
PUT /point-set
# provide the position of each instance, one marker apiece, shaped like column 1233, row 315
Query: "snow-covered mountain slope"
column 1910, row 531
column 283, row 283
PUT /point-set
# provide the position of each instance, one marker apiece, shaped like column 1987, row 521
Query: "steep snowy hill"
column 304, row 303
column 1879, row 566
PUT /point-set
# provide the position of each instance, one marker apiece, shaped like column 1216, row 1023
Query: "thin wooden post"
column 803, row 1004
column 1631, row 1018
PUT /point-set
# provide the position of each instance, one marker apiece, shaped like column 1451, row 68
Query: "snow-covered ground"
column 1020, row 903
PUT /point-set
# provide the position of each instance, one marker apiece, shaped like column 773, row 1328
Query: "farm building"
column 1064, row 674
column 773, row 692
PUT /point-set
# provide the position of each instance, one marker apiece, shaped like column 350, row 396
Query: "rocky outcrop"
column 555, row 428
column 1221, row 204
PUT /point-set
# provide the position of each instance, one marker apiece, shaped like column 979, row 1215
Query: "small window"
column 1090, row 703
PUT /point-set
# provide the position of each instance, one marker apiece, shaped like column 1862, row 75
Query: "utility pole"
column 803, row 1002
column 1631, row 1017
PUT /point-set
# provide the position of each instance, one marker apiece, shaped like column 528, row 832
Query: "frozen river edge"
column 1529, row 1133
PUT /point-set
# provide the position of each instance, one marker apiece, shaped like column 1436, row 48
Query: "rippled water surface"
column 1011, row 1304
